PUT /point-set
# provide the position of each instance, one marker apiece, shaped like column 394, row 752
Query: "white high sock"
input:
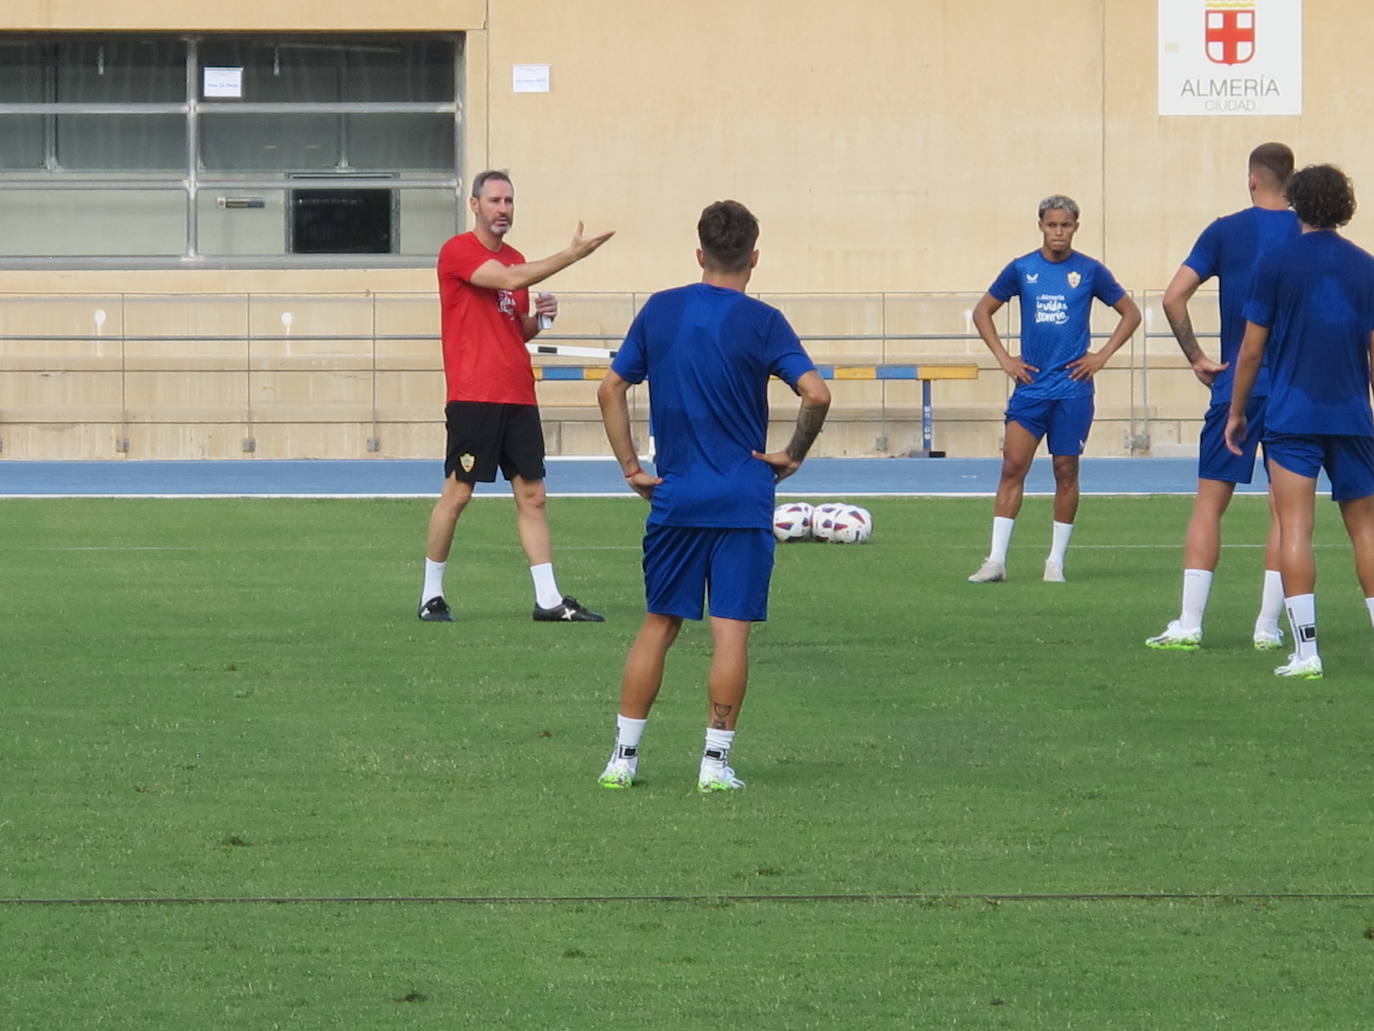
column 1369, row 604
column 1302, row 619
column 1059, row 541
column 1197, row 585
column 546, row 593
column 1001, row 538
column 1271, row 602
column 434, row 580
column 627, row 734
column 717, row 751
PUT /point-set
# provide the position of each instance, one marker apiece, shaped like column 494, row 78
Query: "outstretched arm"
column 815, row 403
column 615, row 416
column 1176, row 297
column 492, row 275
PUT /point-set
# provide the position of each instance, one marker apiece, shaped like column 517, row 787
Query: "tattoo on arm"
column 809, row 421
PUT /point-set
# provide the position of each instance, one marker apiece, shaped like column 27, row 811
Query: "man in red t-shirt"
column 492, row 412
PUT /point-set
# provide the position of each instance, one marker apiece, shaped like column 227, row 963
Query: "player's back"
column 1230, row 249
column 707, row 353
column 1321, row 287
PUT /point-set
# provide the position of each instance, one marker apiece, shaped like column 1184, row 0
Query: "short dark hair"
column 1322, row 196
column 1273, row 160
column 727, row 231
column 499, row 174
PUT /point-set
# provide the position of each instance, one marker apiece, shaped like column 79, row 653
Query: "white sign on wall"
column 224, row 82
column 530, row 78
column 1230, row 57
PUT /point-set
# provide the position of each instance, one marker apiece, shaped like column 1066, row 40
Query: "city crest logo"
column 1230, row 31
column 1074, row 279
column 467, row 462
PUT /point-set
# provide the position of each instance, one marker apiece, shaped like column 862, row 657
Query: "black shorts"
column 483, row 437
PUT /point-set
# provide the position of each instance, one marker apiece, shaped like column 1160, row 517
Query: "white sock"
column 1271, row 602
column 717, row 751
column 1302, row 618
column 546, row 593
column 434, row 580
column 1059, row 541
column 1197, row 585
column 1369, row 604
column 627, row 734
column 1001, row 538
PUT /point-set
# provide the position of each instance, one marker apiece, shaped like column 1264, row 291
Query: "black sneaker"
column 569, row 610
column 436, row 610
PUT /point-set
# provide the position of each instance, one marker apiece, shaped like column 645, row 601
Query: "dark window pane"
column 23, row 71
column 404, row 71
column 269, row 143
column 131, row 143
column 116, row 71
column 401, row 143
column 278, row 72
column 341, row 221
column 23, row 142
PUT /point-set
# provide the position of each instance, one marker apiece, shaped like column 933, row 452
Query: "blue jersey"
column 1229, row 249
column 1315, row 295
column 1056, row 309
column 708, row 353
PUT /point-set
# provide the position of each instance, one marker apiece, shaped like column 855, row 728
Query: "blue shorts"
column 1214, row 458
column 683, row 564
column 1064, row 420
column 1348, row 461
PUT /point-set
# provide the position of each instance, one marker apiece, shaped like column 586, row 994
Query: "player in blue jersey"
column 707, row 351
column 1229, row 248
column 1311, row 317
column 1053, row 373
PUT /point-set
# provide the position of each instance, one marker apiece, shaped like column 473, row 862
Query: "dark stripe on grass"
column 493, row 900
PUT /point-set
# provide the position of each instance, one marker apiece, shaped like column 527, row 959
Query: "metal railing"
column 125, row 361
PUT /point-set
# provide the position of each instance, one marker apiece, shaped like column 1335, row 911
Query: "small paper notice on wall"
column 224, row 82
column 530, row 78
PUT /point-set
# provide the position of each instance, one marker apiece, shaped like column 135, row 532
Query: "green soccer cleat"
column 619, row 773
column 717, row 778
column 1309, row 668
column 1176, row 639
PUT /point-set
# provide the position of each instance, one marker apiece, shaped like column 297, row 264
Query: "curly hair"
column 1322, row 196
column 728, row 231
column 1058, row 202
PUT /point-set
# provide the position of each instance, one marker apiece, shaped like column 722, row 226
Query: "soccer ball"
column 851, row 525
column 792, row 521
column 823, row 520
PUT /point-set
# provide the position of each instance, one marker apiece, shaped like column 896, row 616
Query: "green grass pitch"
column 982, row 806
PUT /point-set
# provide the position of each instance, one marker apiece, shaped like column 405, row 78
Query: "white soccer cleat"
column 990, row 572
column 1309, row 668
column 1176, row 638
column 1268, row 640
column 1054, row 571
column 619, row 773
column 715, row 777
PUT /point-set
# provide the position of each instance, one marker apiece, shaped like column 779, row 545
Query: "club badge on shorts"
column 467, row 462
column 1074, row 279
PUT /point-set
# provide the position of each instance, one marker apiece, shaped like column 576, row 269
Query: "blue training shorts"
column 683, row 564
column 1065, row 421
column 1214, row 458
column 1348, row 461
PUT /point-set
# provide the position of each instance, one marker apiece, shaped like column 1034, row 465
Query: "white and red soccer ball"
column 834, row 521
column 792, row 521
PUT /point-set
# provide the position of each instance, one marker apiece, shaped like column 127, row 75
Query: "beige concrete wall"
column 895, row 147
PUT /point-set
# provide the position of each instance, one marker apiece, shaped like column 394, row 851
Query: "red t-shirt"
column 484, row 342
